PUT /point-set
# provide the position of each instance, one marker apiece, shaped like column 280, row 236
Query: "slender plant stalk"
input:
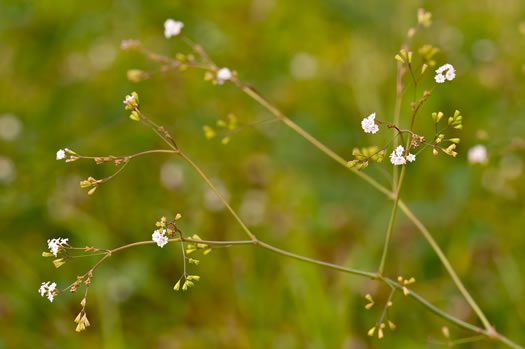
column 392, row 221
column 446, row 264
column 212, row 187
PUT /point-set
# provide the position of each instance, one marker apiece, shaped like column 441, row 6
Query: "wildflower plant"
column 405, row 146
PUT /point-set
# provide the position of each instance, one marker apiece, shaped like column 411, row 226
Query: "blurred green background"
column 327, row 64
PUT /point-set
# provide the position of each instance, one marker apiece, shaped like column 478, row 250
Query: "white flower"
column 223, row 74
column 368, row 124
column 440, row 78
column 55, row 244
column 397, row 157
column 172, row 28
column 129, row 100
column 61, row 154
column 159, row 236
column 411, row 157
column 449, row 75
column 48, row 290
column 478, row 154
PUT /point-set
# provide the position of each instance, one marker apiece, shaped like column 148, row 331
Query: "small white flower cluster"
column 223, row 75
column 62, row 154
column 368, row 124
column 55, row 244
column 478, row 154
column 129, row 100
column 449, row 75
column 160, row 237
column 48, row 290
column 172, row 28
column 397, row 157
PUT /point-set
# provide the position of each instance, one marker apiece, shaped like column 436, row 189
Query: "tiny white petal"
column 440, row 78
column 478, row 154
column 172, row 28
column 61, row 154
column 223, row 74
column 368, row 124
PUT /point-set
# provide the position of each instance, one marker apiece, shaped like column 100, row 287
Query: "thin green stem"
column 219, row 195
column 315, row 261
column 446, row 264
column 391, row 222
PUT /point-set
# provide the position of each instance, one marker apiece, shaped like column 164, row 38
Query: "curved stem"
column 446, row 264
column 212, row 187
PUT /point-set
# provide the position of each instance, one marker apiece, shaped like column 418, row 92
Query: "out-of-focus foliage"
column 327, row 64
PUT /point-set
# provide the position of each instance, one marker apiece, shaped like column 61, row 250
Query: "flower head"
column 48, row 290
column 223, row 75
column 129, row 100
column 61, row 154
column 172, row 28
column 449, row 75
column 159, row 236
column 397, row 157
column 411, row 157
column 478, row 154
column 55, row 245
column 368, row 124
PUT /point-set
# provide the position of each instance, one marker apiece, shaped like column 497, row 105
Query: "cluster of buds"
column 183, row 62
column 363, row 155
column 424, row 18
column 380, row 327
column 188, row 282
column 404, row 283
column 230, row 124
column 370, row 300
column 190, row 248
column 416, row 140
column 137, row 75
column 428, row 52
column 90, row 182
column 76, row 284
column 455, row 122
column 116, row 160
column 81, row 320
column 132, row 103
column 404, row 56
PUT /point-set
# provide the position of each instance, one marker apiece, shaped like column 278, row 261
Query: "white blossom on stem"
column 55, row 244
column 449, row 75
column 61, row 154
column 172, row 28
column 368, row 124
column 223, row 75
column 411, row 157
column 478, row 154
column 397, row 157
column 159, row 236
column 48, row 290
